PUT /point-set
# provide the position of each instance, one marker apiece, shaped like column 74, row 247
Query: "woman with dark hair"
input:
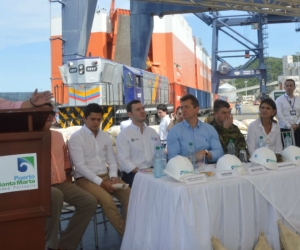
column 266, row 127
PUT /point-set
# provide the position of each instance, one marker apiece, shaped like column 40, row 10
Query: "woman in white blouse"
column 266, row 127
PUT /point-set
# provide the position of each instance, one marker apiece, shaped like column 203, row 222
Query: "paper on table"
column 120, row 185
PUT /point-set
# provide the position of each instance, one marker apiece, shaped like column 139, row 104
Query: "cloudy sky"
column 25, row 47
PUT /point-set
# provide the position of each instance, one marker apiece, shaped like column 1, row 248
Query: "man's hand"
column 294, row 126
column 173, row 115
column 115, row 180
column 228, row 122
column 135, row 170
column 38, row 99
column 200, row 154
column 107, row 185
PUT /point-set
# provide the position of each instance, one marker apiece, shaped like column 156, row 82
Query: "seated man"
column 223, row 123
column 136, row 143
column 96, row 167
column 85, row 204
column 203, row 136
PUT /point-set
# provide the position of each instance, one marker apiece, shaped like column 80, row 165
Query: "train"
column 177, row 64
column 112, row 85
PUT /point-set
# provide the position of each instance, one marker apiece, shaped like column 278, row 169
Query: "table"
column 168, row 215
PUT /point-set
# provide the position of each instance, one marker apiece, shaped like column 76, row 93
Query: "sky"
column 25, row 46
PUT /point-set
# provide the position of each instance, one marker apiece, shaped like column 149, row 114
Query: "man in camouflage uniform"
column 223, row 123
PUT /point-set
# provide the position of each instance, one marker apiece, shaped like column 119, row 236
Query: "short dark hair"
column 92, row 108
column 290, row 80
column 191, row 97
column 270, row 102
column 162, row 107
column 129, row 105
column 220, row 104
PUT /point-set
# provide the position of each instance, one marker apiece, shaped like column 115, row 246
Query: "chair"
column 98, row 210
column 291, row 135
column 68, row 210
column 104, row 219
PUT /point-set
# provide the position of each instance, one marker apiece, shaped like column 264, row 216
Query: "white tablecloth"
column 168, row 215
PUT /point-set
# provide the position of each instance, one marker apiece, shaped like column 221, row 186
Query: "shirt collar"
column 285, row 94
column 185, row 123
column 260, row 125
column 136, row 127
column 87, row 130
column 165, row 117
column 215, row 123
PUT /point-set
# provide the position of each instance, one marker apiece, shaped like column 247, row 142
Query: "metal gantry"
column 259, row 12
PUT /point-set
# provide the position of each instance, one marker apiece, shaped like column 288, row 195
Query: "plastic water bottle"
column 261, row 142
column 231, row 147
column 287, row 141
column 157, row 163
column 163, row 158
column 191, row 154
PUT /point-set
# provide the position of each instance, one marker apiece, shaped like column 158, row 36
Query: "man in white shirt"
column 288, row 109
column 162, row 112
column 136, row 143
column 96, row 167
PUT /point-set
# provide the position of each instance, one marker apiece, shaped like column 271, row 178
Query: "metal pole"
column 246, row 91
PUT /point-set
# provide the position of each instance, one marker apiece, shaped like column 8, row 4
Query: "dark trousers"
column 128, row 178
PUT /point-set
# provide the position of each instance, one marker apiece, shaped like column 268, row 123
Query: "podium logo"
column 24, row 163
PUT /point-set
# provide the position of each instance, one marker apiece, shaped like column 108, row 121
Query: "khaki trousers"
column 85, row 205
column 105, row 200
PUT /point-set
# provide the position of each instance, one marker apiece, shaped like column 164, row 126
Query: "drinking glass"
column 243, row 156
column 200, row 165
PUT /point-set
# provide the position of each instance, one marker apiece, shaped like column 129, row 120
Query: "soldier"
column 223, row 123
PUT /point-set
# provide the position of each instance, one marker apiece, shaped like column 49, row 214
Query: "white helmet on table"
column 265, row 157
column 228, row 162
column 179, row 167
column 291, row 154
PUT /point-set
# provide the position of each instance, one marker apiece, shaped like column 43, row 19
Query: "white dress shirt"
column 272, row 140
column 163, row 127
column 136, row 149
column 284, row 106
column 125, row 124
column 91, row 155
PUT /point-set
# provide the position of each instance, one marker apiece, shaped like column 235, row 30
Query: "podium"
column 25, row 178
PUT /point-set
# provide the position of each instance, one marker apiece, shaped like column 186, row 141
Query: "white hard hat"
column 179, row 167
column 265, row 157
column 228, row 162
column 291, row 154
